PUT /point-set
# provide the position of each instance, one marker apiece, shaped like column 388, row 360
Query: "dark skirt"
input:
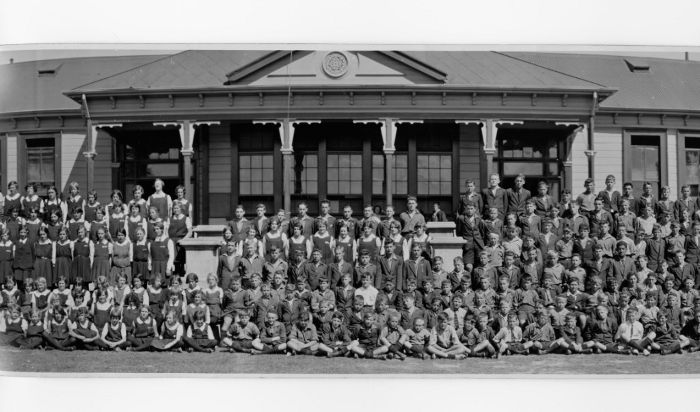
column 159, row 267
column 100, row 267
column 139, row 268
column 6, row 269
column 81, row 268
column 63, row 267
column 44, row 269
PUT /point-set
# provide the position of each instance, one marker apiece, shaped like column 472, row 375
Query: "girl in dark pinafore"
column 31, row 200
column 99, row 223
column 33, row 224
column 54, row 204
column 91, row 205
column 180, row 227
column 64, row 256
column 180, row 194
column 143, row 332
column 101, row 309
column 162, row 253
column 7, row 254
column 121, row 257
column 75, row 200
column 81, row 257
column 141, row 255
column 160, row 200
column 13, row 200
column 117, row 223
column 54, row 225
column 101, row 255
column 15, row 327
column 57, row 332
column 13, row 223
column 134, row 222
column 43, row 258
column 139, row 201
column 23, row 264
column 35, row 333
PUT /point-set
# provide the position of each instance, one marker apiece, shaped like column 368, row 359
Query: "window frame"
column 681, row 150
column 446, row 154
column 3, row 162
column 627, row 155
column 552, row 179
column 23, row 164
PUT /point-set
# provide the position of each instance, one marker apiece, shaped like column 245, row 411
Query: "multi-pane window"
column 434, row 174
column 305, row 178
column 692, row 164
column 144, row 156
column 399, row 174
column 256, row 174
column 41, row 163
column 344, row 174
column 645, row 162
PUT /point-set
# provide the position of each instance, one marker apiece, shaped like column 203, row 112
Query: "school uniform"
column 682, row 205
column 121, row 262
column 100, row 263
column 531, row 225
column 271, row 241
column 610, row 200
column 12, row 202
column 384, row 227
column 360, row 271
column 162, row 255
column 409, row 222
column 52, row 230
column 7, row 256
column 516, row 201
column 692, row 250
column 143, row 333
column 543, row 204
column 313, row 272
column 596, row 219
column 390, row 268
column 336, row 270
column 417, row 270
column 177, row 229
column 472, row 230
column 497, row 198
column 324, row 244
column 23, row 263
column 162, row 202
column 371, row 244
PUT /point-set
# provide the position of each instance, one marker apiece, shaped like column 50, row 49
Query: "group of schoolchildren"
column 602, row 272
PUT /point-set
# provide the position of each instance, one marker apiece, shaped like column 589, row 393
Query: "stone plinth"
column 444, row 242
column 202, row 256
column 213, row 231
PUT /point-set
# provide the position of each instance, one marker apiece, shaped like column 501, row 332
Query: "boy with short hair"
column 539, row 336
column 227, row 268
column 241, row 336
column 410, row 312
column 235, row 299
column 290, row 308
column 684, row 204
column 367, row 291
column 390, row 337
column 495, row 196
column 391, row 266
column 394, row 298
column 606, row 240
column 494, row 250
column 303, row 337
column 416, row 339
column 510, row 338
column 273, row 336
column 510, row 270
column 365, row 339
column 438, row 274
column 416, row 268
column 529, row 221
column 444, row 342
column 575, row 271
column 339, row 267
column 472, row 229
column 610, row 196
column 517, row 196
column 569, row 337
column 458, row 273
column 314, row 269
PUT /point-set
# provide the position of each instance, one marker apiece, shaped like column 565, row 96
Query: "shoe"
column 356, row 356
column 635, row 352
column 645, row 353
column 664, row 352
column 432, row 356
column 190, row 350
column 402, row 357
column 508, row 352
column 381, row 357
column 209, row 350
column 568, row 351
column 390, row 356
column 460, row 357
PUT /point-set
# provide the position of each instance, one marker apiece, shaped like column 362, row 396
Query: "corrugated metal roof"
column 190, row 69
column 23, row 89
column 668, row 85
column 486, row 69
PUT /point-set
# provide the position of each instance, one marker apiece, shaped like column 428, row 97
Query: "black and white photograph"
column 341, row 209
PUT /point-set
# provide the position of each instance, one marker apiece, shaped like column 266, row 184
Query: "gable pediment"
column 336, row 68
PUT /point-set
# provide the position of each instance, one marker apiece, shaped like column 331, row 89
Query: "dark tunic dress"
column 64, row 259
column 42, row 262
column 81, row 262
column 6, row 260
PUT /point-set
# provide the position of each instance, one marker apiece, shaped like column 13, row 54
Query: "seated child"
column 303, row 337
column 510, row 338
column 365, row 339
column 444, row 342
column 273, row 336
column 335, row 337
column 569, row 337
column 390, row 337
column 171, row 334
column 539, row 336
column 242, row 336
column 416, row 339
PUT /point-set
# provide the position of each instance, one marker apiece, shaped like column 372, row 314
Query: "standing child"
column 63, row 249
column 100, row 255
column 274, row 238
column 134, row 222
column 323, row 241
column 99, row 223
column 23, row 263
column 89, row 207
column 138, row 201
column 160, row 200
column 162, row 252
column 122, row 256
column 611, row 197
column 543, row 201
column 7, row 254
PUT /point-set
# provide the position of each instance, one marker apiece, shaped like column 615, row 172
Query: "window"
column 145, row 155
column 532, row 152
column 645, row 162
column 434, row 174
column 399, row 174
column 305, row 179
column 41, row 163
column 692, row 164
column 256, row 175
column 344, row 174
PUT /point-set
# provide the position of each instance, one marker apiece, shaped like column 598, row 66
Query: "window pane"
column 423, row 187
column 356, row 174
column 377, row 187
column 267, row 175
column 245, row 175
column 267, row 162
column 355, row 187
column 377, row 161
column 245, row 188
column 638, row 163
column 553, row 169
column 528, row 168
column 446, row 162
column 268, row 187
column 163, row 170
column 422, row 162
column 244, row 162
column 343, row 161
column 343, row 187
column 356, row 161
column 445, row 174
column 692, row 165
column 256, row 175
column 332, row 160
column 423, row 175
column 434, row 161
column 255, row 161
column 312, row 160
column 445, row 188
column 401, row 160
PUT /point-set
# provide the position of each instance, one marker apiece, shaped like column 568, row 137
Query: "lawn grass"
column 15, row 360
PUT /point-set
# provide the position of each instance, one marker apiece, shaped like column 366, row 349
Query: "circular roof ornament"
column 335, row 64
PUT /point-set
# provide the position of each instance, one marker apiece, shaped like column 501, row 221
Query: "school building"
column 355, row 127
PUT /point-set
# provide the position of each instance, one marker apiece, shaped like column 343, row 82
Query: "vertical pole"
column 187, row 130
column 287, row 160
column 488, row 132
column 90, row 154
column 389, row 177
column 591, row 148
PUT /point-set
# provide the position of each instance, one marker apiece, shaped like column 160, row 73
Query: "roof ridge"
column 131, row 69
column 549, row 68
